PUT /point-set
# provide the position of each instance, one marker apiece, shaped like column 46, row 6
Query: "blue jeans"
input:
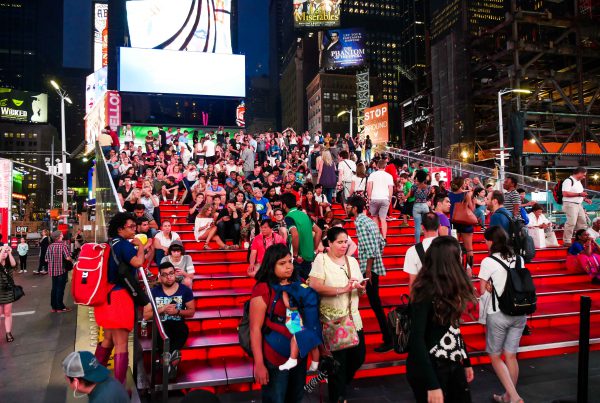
column 285, row 386
column 367, row 155
column 418, row 209
column 328, row 194
column 480, row 214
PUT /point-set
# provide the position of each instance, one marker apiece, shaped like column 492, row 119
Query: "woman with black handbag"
column 7, row 293
column 438, row 367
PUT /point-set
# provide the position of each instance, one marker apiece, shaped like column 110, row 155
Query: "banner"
column 95, row 121
column 95, row 87
column 100, row 35
column 6, row 169
column 376, row 124
column 186, row 25
column 113, row 109
column 317, row 13
column 343, row 48
column 445, row 174
column 240, row 111
column 23, row 106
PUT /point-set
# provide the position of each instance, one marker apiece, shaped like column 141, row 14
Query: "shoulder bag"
column 17, row 290
column 341, row 333
column 463, row 215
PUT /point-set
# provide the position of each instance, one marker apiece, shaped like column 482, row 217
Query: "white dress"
column 201, row 222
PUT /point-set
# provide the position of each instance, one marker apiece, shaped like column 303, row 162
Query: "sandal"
column 206, row 247
column 225, row 247
column 9, row 337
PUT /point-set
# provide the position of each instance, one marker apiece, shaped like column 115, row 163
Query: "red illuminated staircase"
column 213, row 357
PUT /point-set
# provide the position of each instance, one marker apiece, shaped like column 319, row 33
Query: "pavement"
column 30, row 367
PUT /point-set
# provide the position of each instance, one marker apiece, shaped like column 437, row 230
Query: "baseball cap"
column 83, row 364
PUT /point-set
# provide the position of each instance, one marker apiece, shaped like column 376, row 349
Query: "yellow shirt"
column 335, row 275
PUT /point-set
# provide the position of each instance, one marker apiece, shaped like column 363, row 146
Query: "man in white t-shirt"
column 413, row 262
column 573, row 197
column 346, row 170
column 380, row 187
column 209, row 149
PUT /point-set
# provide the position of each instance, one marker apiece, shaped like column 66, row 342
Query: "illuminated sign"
column 376, row 123
column 6, row 170
column 95, row 87
column 23, row 106
column 317, row 13
column 113, row 109
column 100, row 35
column 343, row 48
column 186, row 25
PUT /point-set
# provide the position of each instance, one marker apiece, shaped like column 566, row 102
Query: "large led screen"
column 317, row 13
column 170, row 72
column 342, row 48
column 188, row 25
column 95, row 88
column 100, row 35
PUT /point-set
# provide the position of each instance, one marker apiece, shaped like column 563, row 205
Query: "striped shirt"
column 370, row 244
column 511, row 199
column 54, row 256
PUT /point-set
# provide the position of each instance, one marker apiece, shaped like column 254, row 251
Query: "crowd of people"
column 273, row 194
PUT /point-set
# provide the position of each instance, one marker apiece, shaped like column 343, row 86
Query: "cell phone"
column 364, row 280
column 173, row 302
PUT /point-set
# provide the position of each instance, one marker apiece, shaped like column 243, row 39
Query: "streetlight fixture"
column 501, row 126
column 63, row 97
column 342, row 113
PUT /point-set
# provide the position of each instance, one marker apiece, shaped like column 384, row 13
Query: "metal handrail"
column 158, row 330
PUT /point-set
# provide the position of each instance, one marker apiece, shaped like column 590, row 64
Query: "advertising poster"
column 95, row 121
column 23, row 106
column 445, row 174
column 240, row 111
column 6, row 169
column 343, row 48
column 317, row 13
column 186, row 25
column 377, row 124
column 113, row 109
column 95, row 88
column 100, row 35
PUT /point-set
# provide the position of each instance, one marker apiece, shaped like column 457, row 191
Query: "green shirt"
column 407, row 186
column 300, row 220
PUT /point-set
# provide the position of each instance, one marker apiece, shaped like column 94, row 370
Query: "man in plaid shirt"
column 370, row 250
column 57, row 251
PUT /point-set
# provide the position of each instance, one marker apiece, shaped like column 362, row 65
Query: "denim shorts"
column 503, row 333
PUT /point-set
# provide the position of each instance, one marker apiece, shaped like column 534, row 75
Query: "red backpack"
column 90, row 284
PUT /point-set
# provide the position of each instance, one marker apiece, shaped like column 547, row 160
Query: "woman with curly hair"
column 438, row 367
column 250, row 225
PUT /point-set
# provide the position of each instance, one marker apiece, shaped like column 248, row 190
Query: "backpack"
column 519, row 297
column 557, row 190
column 519, row 238
column 399, row 325
column 90, row 275
column 313, row 160
column 244, row 325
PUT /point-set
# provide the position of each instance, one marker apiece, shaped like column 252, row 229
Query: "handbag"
column 17, row 290
column 67, row 264
column 463, row 215
column 399, row 324
column 340, row 333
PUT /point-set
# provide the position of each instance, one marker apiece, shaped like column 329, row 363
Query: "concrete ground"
column 30, row 367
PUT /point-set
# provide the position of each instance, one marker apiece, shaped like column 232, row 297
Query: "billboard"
column 23, row 106
column 376, row 123
column 187, row 25
column 317, row 13
column 342, row 48
column 6, row 170
column 170, row 72
column 95, row 87
column 100, row 35
column 95, row 121
column 113, row 109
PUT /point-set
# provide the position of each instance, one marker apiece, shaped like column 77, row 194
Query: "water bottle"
column 454, row 233
column 144, row 329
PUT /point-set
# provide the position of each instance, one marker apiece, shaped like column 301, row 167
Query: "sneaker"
column 384, row 348
column 36, row 272
column 20, row 271
column 44, row 272
column 24, row 271
column 64, row 310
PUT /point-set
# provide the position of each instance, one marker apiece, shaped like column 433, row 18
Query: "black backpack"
column 519, row 238
column 313, row 160
column 244, row 325
column 399, row 325
column 519, row 297
column 557, row 191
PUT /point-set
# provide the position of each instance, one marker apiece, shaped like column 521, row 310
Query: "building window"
column 326, row 95
column 326, row 118
column 336, row 96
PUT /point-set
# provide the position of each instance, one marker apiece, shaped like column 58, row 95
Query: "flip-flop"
column 499, row 398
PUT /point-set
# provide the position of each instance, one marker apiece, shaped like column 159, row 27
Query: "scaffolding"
column 362, row 98
column 553, row 50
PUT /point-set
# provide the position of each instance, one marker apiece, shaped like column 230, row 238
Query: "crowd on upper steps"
column 276, row 194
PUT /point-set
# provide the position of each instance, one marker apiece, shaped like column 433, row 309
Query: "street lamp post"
column 350, row 111
column 501, row 126
column 63, row 97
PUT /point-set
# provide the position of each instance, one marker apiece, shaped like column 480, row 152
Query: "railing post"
column 584, row 348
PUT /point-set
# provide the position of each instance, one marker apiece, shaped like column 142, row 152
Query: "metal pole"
column 51, row 183
column 65, row 206
column 501, row 137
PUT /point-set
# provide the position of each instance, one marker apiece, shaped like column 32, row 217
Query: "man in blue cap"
column 87, row 376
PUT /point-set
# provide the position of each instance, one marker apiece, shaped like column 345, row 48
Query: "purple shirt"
column 444, row 221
